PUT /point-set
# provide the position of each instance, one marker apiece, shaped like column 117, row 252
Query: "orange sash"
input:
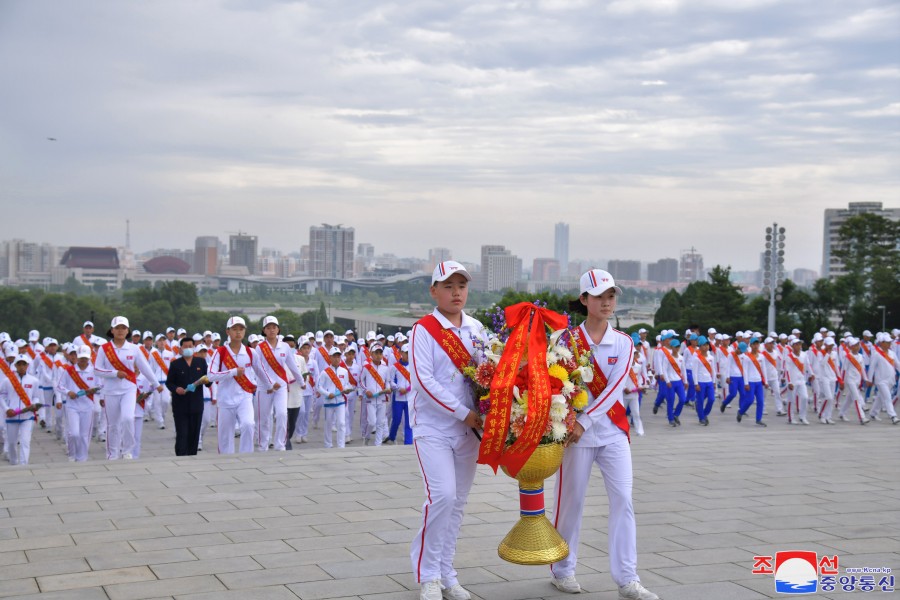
column 634, row 380
column 855, row 363
column 159, row 360
column 448, row 341
column 797, row 363
column 30, row 352
column 374, row 373
column 705, row 362
column 758, row 366
column 402, row 370
column 145, row 352
column 324, row 354
column 350, row 376
column 616, row 414
column 20, row 391
column 737, row 361
column 117, row 364
column 4, row 367
column 833, row 368
column 76, row 377
column 227, row 359
column 770, row 358
column 881, row 353
column 396, row 353
column 334, row 379
column 267, row 353
column 867, row 350
column 46, row 360
column 672, row 361
column 366, row 352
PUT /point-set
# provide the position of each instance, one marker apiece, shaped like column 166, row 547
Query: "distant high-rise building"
column 805, row 277
column 18, row 257
column 242, row 251
column 832, row 266
column 365, row 250
column 438, row 255
column 500, row 268
column 690, row 268
column 561, row 247
column 625, row 270
column 545, row 269
column 331, row 251
column 665, row 270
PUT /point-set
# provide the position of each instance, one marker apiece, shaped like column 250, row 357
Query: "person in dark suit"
column 187, row 402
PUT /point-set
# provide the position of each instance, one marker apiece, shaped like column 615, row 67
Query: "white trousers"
column 572, row 480
column 276, row 401
column 228, row 418
column 826, row 399
column 798, row 401
column 448, row 471
column 775, row 388
column 78, row 432
column 302, row 427
column 138, row 434
column 352, row 399
column 209, row 417
column 632, row 401
column 381, row 419
column 161, row 403
column 119, row 412
column 19, row 433
column 855, row 398
column 883, row 398
column 335, row 417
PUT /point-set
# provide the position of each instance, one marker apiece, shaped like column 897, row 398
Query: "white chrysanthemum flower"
column 558, row 432
column 587, row 374
column 552, row 357
column 517, row 411
column 564, row 352
column 558, row 412
column 568, row 387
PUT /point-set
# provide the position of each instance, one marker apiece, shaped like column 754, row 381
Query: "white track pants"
column 798, row 402
column 883, row 398
column 120, row 424
column 335, row 417
column 19, row 433
column 826, row 399
column 228, row 417
column 448, row 470
column 775, row 388
column 856, row 399
column 208, row 418
column 276, row 401
column 78, row 433
column 138, row 434
column 572, row 480
column 161, row 403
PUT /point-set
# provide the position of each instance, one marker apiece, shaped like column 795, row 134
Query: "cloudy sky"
column 649, row 125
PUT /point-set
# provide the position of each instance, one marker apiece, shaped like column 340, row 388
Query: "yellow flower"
column 580, row 401
column 559, row 372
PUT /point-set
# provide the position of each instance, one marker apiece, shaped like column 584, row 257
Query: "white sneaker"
column 804, row 421
column 456, row 592
column 431, row 590
column 303, row 439
column 823, row 421
column 127, row 456
column 567, row 584
column 863, row 421
column 842, row 417
column 635, row 591
column 875, row 417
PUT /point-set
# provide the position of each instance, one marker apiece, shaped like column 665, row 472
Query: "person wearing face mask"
column 187, row 399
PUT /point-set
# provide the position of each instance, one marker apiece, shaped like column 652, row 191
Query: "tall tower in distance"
column 561, row 247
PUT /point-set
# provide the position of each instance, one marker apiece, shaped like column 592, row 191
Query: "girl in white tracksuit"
column 601, row 436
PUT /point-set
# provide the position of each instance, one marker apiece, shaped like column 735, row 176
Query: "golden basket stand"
column 534, row 540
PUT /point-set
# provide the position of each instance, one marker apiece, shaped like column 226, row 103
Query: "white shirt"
column 668, row 372
column 229, row 392
column 132, row 358
column 282, row 352
column 9, row 399
column 443, row 396
column 398, row 382
column 884, row 370
column 794, row 374
column 701, row 373
column 751, row 373
column 66, row 384
column 326, row 386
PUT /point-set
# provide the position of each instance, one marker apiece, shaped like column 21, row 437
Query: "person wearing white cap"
column 401, row 386
column 828, row 378
column 601, row 436
column 735, row 370
column 797, row 372
column 20, row 398
column 311, row 372
column 852, row 376
column 277, row 360
column 883, row 370
column 118, row 363
column 46, row 368
column 443, row 416
column 232, row 368
column 77, row 383
column 705, row 376
column 87, row 332
column 376, row 394
column 334, row 385
column 354, row 374
column 773, row 362
column 160, row 361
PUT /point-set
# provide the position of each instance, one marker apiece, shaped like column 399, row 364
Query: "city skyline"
column 650, row 126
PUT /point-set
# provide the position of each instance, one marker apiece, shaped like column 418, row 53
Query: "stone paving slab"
column 336, row 524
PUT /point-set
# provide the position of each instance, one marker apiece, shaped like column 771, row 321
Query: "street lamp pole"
column 773, row 269
column 883, row 323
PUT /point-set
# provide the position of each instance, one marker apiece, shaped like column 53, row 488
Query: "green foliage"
column 669, row 310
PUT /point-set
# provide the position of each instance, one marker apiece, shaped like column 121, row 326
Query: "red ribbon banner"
column 529, row 332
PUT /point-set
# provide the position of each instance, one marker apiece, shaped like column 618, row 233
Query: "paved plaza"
column 336, row 524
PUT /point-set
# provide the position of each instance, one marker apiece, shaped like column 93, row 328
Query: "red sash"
column 267, row 353
column 334, row 379
column 350, row 376
column 227, row 359
column 76, row 377
column 672, row 362
column 855, row 363
column 705, row 362
column 402, row 370
column 159, row 360
column 374, row 373
column 324, row 354
column 599, row 382
column 87, row 342
column 448, row 341
column 396, row 353
column 737, row 361
column 47, row 360
column 758, row 367
column 117, row 364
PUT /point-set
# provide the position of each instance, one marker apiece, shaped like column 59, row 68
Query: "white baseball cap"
column 120, row 321
column 148, row 334
column 270, row 320
column 84, row 352
column 335, row 350
column 829, row 341
column 597, row 281
column 235, row 321
column 404, row 348
column 87, row 324
column 22, row 358
column 852, row 341
column 34, row 335
column 444, row 270
column 181, row 330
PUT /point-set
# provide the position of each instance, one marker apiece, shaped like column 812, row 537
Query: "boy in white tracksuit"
column 74, row 384
column 443, row 415
column 601, row 436
column 20, row 399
